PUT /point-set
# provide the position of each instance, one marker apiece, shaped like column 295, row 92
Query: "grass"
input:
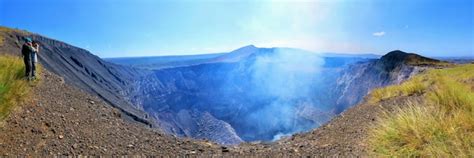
column 2, row 38
column 415, row 85
column 13, row 87
column 440, row 126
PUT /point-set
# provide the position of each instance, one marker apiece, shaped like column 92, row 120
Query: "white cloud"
column 378, row 34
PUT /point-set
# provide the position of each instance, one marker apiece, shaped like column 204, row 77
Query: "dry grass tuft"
column 441, row 126
column 13, row 87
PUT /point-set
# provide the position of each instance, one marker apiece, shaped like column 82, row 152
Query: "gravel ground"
column 62, row 120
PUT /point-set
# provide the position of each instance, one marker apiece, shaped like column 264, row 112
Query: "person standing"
column 26, row 52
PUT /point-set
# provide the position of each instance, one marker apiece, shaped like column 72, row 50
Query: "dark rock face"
column 359, row 79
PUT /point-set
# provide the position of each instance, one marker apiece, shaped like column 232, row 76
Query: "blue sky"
column 113, row 28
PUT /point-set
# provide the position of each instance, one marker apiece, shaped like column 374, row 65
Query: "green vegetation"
column 13, row 87
column 442, row 125
column 414, row 86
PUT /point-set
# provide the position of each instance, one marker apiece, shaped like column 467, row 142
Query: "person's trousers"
column 27, row 61
column 30, row 64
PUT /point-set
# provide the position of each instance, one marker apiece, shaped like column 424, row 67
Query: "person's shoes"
column 33, row 78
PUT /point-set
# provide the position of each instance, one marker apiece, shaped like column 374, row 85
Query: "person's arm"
column 33, row 48
column 37, row 48
column 30, row 47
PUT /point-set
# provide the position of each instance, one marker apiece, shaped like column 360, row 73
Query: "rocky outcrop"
column 358, row 79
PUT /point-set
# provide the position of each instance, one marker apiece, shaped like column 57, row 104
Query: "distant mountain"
column 161, row 62
column 457, row 60
column 397, row 57
column 369, row 56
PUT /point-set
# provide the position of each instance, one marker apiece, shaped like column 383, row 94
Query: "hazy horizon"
column 342, row 53
column 119, row 28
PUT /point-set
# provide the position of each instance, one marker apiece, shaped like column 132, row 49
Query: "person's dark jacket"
column 26, row 50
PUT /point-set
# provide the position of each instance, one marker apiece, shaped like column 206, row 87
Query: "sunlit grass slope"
column 13, row 87
column 442, row 125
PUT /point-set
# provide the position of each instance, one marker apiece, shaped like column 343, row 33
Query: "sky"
column 121, row 28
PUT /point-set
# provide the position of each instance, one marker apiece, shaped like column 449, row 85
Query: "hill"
column 397, row 57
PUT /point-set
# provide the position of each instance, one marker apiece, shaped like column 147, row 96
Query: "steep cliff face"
column 79, row 67
column 357, row 80
column 202, row 125
column 263, row 93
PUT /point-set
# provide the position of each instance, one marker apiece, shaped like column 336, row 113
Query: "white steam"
column 287, row 76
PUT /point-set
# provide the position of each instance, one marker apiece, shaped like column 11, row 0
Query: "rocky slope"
column 116, row 85
column 59, row 119
column 112, row 83
column 358, row 79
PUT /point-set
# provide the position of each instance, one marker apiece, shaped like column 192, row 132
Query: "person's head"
column 28, row 40
column 34, row 43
